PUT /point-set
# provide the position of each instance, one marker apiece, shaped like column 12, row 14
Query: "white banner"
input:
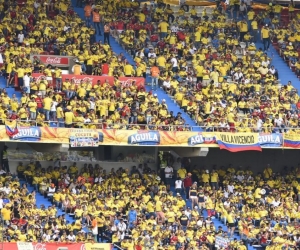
column 222, row 242
column 24, row 245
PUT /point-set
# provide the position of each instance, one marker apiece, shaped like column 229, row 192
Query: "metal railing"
column 137, row 126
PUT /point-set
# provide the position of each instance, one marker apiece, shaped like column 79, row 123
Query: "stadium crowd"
column 210, row 67
column 139, row 208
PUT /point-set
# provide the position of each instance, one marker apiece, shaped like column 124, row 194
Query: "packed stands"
column 229, row 85
column 211, row 68
column 45, row 103
column 240, row 89
column 211, row 204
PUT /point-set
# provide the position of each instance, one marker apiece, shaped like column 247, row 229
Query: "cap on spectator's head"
column 178, row 194
column 266, row 25
column 155, row 94
column 163, row 100
column 39, row 93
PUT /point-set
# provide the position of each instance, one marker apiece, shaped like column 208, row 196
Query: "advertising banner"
column 124, row 81
column 44, row 246
column 35, row 134
column 233, row 142
column 291, row 140
column 24, row 245
column 270, row 140
column 98, row 246
column 84, row 138
column 237, row 142
column 55, row 60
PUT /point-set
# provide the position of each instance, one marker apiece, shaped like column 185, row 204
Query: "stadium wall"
column 277, row 158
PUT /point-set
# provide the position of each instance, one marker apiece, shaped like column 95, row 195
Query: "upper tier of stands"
column 208, row 60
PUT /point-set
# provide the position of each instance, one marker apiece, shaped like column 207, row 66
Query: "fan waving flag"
column 11, row 128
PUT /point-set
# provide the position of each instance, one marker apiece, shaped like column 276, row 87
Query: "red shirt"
column 187, row 182
column 263, row 240
column 105, row 69
column 154, row 38
column 149, row 26
column 120, row 25
column 14, row 117
column 39, row 102
column 13, row 14
column 174, row 238
column 138, row 247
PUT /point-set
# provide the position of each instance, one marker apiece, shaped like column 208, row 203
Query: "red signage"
column 94, row 79
column 54, row 60
column 125, row 81
column 47, row 246
column 128, row 81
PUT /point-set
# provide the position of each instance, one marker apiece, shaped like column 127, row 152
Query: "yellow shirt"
column 128, row 69
column 47, row 103
column 21, row 72
column 69, row 118
column 163, row 26
column 265, row 33
column 6, row 213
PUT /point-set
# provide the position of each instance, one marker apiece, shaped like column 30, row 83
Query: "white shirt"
column 26, row 80
column 1, row 203
column 226, row 203
column 92, row 105
column 88, row 120
column 174, row 62
column 53, row 106
column 20, row 38
column 51, row 191
column 238, row 76
column 240, row 178
column 259, row 123
column 36, row 4
column 98, row 179
column 6, row 190
column 278, row 121
column 140, row 54
column 122, row 227
column 275, row 203
column 200, row 223
column 174, row 28
column 272, row 71
column 223, row 125
column 187, row 213
column 167, row 84
column 151, row 55
column 66, row 28
column 47, row 237
column 178, row 184
column 265, row 63
column 168, row 172
column 230, row 188
column 71, row 237
column 226, row 194
column 243, row 7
